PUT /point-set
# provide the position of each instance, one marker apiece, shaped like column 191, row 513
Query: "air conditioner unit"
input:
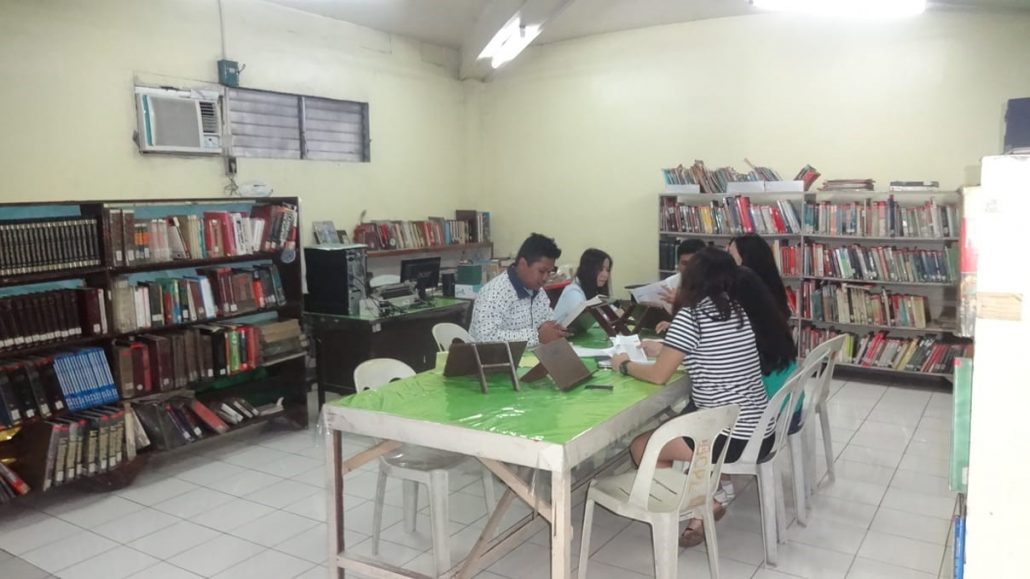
column 178, row 121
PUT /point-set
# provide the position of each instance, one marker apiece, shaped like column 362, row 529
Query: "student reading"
column 592, row 277
column 714, row 334
column 512, row 307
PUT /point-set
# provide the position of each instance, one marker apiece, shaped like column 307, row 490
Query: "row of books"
column 71, row 447
column 850, row 304
column 883, row 263
column 208, row 235
column 152, row 363
column 881, row 219
column 787, row 256
column 925, row 354
column 468, row 226
column 717, row 181
column 51, row 316
column 182, row 420
column 44, row 245
column 281, row 338
column 667, row 249
column 730, row 216
column 213, row 293
column 40, row 386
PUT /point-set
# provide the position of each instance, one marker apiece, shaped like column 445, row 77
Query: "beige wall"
column 67, row 112
column 575, row 133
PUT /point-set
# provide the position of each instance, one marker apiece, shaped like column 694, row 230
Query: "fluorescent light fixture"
column 852, row 8
column 509, row 41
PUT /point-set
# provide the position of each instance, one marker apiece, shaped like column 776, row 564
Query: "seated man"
column 512, row 307
column 684, row 252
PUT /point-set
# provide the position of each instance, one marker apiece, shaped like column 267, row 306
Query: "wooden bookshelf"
column 431, row 249
column 281, row 376
column 943, row 294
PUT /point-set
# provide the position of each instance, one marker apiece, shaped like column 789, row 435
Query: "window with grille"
column 287, row 126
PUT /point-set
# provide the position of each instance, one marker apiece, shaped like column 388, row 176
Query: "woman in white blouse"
column 592, row 275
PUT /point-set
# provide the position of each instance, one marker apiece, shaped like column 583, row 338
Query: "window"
column 286, row 126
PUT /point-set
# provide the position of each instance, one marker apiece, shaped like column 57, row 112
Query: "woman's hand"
column 651, row 347
column 661, row 327
column 617, row 361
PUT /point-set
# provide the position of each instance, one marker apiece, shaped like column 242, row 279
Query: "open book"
column 651, row 294
column 629, row 345
column 580, row 320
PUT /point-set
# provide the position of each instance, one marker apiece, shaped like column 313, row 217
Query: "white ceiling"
column 451, row 22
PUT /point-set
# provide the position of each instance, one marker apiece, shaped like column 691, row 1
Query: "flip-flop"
column 718, row 510
column 692, row 537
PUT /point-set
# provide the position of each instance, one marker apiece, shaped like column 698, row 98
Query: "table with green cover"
column 538, row 427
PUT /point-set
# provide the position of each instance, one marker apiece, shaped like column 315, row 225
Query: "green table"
column 538, row 427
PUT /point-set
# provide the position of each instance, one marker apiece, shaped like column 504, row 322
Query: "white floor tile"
column 99, row 510
column 244, row 483
column 422, row 538
column 174, row 539
column 164, row 571
column 292, row 442
column 931, row 466
column 274, row 528
column 888, row 457
column 312, row 506
column 390, row 553
column 604, row 571
column 150, row 494
column 693, row 564
column 289, row 466
column 525, row 562
column 193, row 503
column 902, row 552
column 877, row 435
column 216, row 555
column 910, row 525
column 767, row 573
column 74, row 549
column 889, row 415
column 920, row 504
column 864, row 568
column 855, row 491
column 929, row 484
column 811, row 562
column 315, row 477
column 841, row 511
column 266, row 565
column 938, row 424
column 255, row 456
column 210, row 472
column 863, row 472
column 283, row 493
column 135, row 525
column 311, row 545
column 937, row 451
column 360, row 517
column 15, row 568
column 117, row 563
column 828, row 534
column 19, row 538
column 231, row 515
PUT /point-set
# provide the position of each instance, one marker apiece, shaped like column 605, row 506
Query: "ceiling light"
column 852, row 8
column 509, row 41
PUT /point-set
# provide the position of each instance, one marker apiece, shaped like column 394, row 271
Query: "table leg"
column 488, row 533
column 334, row 514
column 561, row 523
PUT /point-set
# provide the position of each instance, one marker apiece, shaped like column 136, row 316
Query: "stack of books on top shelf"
column 215, row 292
column 883, row 263
column 850, row 304
column 915, row 185
column 718, row 181
column 881, row 219
column 281, row 338
column 848, row 185
column 730, row 216
column 468, row 226
column 927, row 354
column 808, row 175
column 154, row 363
column 195, row 237
column 44, row 245
column 678, row 175
column 37, row 387
column 51, row 316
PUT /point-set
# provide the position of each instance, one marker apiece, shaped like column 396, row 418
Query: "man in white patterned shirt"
column 512, row 307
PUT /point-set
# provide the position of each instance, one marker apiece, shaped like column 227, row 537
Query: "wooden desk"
column 343, row 342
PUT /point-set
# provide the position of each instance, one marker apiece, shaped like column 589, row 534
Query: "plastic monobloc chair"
column 659, row 496
column 445, row 333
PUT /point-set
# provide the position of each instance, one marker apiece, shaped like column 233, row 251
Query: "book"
column 887, row 218
column 581, row 319
column 44, row 245
column 921, row 354
column 882, row 263
column 863, row 305
column 733, row 215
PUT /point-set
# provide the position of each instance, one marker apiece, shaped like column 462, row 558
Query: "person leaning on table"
column 513, row 307
column 712, row 333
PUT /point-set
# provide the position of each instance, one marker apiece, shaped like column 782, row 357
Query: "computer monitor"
column 425, row 272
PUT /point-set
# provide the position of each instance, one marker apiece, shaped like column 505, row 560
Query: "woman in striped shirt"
column 713, row 334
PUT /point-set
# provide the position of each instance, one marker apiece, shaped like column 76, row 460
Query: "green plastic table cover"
column 538, row 412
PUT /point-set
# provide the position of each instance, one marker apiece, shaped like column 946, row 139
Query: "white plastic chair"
column 415, row 465
column 445, row 333
column 817, row 373
column 770, row 493
column 658, row 496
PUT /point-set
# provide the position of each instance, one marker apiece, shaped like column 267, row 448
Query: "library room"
column 328, row 288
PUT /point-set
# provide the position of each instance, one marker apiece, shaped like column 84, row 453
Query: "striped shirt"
column 722, row 360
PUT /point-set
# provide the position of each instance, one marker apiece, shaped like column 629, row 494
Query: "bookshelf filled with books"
column 879, row 267
column 128, row 329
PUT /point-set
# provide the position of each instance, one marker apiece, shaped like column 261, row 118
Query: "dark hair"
column 776, row 349
column 537, row 247
column 756, row 254
column 711, row 273
column 689, row 246
column 590, row 264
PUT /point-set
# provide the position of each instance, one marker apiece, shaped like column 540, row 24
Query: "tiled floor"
column 256, row 509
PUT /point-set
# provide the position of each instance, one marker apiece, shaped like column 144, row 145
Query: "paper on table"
column 629, row 345
column 651, row 293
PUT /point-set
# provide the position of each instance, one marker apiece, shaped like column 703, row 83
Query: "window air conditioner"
column 178, row 121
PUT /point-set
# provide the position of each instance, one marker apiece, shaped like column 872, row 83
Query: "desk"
column 343, row 342
column 539, row 428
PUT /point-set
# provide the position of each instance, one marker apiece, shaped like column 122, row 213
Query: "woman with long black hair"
column 592, row 277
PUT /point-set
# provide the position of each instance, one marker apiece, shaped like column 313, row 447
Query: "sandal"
column 692, row 537
column 718, row 510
